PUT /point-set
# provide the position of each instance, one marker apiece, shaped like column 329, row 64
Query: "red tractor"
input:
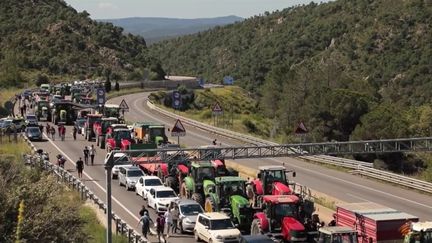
column 118, row 136
column 100, row 128
column 88, row 126
column 280, row 219
column 272, row 180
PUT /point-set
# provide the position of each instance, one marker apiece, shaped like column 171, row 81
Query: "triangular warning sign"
column 217, row 108
column 301, row 129
column 178, row 130
column 123, row 105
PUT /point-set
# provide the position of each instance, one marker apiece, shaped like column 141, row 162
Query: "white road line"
column 94, row 181
column 354, row 196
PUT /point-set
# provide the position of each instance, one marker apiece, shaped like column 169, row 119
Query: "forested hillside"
column 49, row 37
column 348, row 69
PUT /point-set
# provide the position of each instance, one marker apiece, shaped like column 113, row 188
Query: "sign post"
column 100, row 98
column 124, row 107
column 216, row 112
column 178, row 131
column 301, row 131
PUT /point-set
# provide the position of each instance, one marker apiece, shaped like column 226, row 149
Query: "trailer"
column 373, row 222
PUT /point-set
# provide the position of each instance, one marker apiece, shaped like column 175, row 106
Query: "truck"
column 100, row 128
column 88, row 126
column 373, row 222
column 149, row 132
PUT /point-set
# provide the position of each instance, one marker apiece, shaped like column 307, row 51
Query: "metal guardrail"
column 359, row 167
column 63, row 176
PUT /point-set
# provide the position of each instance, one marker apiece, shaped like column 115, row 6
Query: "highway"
column 337, row 184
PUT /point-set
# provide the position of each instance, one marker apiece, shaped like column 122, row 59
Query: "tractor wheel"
column 197, row 197
column 209, row 205
column 171, row 182
column 256, row 228
column 184, row 191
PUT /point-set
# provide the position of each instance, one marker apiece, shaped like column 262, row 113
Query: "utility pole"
column 108, row 168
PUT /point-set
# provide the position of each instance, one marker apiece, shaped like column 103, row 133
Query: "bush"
column 207, row 114
column 41, row 79
column 250, row 126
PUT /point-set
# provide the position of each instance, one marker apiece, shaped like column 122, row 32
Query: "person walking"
column 59, row 130
column 168, row 221
column 53, row 133
column 74, row 132
column 160, row 227
column 175, row 213
column 92, row 153
column 86, row 154
column 79, row 167
column 63, row 132
column 145, row 220
column 48, row 129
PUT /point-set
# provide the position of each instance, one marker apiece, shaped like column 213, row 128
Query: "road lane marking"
column 357, row 197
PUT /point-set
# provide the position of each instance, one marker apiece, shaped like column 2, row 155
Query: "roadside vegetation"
column 34, row 207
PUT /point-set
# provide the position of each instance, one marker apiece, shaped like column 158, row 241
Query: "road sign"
column 100, row 96
column 301, row 129
column 124, row 106
column 228, row 80
column 176, row 99
column 217, row 110
column 178, row 130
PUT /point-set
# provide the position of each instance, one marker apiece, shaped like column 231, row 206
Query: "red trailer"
column 157, row 169
column 373, row 222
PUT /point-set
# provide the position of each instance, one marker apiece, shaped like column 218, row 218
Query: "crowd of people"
column 166, row 224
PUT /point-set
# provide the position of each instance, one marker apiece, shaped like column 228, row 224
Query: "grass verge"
column 95, row 229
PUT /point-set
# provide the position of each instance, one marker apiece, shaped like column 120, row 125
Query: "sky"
column 107, row 9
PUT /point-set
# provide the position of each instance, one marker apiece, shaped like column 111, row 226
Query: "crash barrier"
column 63, row 176
column 359, row 167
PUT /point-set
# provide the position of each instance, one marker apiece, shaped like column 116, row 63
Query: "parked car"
column 255, row 239
column 19, row 123
column 188, row 213
column 33, row 133
column 215, row 227
column 128, row 176
column 31, row 119
column 160, row 198
column 79, row 125
column 7, row 125
column 145, row 183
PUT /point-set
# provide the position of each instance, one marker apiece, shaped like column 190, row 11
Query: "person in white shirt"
column 92, row 153
column 168, row 221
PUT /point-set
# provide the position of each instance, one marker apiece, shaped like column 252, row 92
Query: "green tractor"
column 201, row 174
column 228, row 194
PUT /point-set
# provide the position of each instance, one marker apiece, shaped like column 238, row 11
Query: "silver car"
column 129, row 176
column 188, row 213
column 33, row 133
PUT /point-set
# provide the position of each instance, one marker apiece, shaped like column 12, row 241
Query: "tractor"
column 193, row 185
column 100, row 128
column 228, row 194
column 118, row 136
column 110, row 110
column 337, row 234
column 88, row 126
column 63, row 111
column 42, row 111
column 218, row 164
column 280, row 219
column 149, row 132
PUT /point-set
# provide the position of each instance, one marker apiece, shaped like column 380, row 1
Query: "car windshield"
column 7, row 123
column 340, row 238
column 122, row 135
column 31, row 117
column 153, row 182
column 163, row 194
column 206, row 173
column 33, row 130
column 221, row 224
column 191, row 209
column 134, row 173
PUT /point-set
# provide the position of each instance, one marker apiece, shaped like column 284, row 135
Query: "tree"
column 107, row 73
column 41, row 79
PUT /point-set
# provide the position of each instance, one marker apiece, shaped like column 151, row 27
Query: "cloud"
column 106, row 5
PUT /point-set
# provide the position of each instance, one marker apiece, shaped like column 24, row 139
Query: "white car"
column 215, row 227
column 121, row 158
column 161, row 197
column 145, row 183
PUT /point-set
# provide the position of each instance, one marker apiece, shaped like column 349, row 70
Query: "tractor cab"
column 202, row 171
column 331, row 234
column 419, row 232
column 272, row 180
column 218, row 164
column 111, row 110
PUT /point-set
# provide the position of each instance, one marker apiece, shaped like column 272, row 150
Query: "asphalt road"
column 337, row 184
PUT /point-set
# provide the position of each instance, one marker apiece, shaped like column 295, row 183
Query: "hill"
column 48, row 36
column 157, row 29
column 348, row 69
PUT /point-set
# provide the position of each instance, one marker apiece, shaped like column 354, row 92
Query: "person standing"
column 92, row 153
column 160, row 226
column 63, row 132
column 145, row 220
column 74, row 132
column 168, row 221
column 53, row 133
column 142, row 211
column 79, row 167
column 86, row 154
column 175, row 217
column 48, row 129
